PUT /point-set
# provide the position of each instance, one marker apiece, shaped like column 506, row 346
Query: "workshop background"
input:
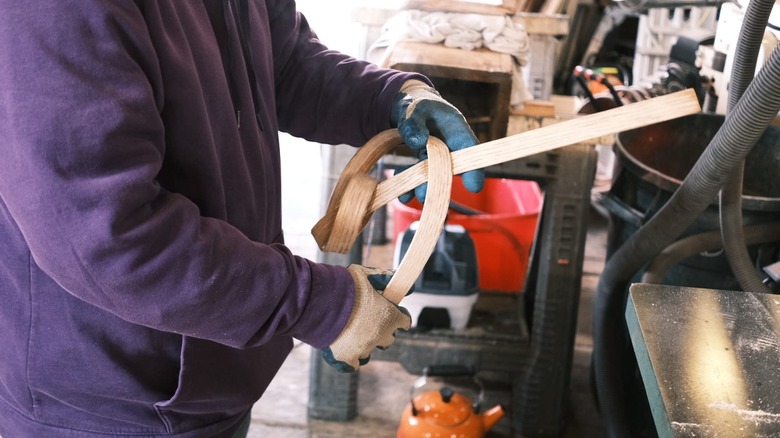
column 523, row 300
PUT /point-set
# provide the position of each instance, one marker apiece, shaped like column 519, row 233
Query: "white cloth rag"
column 498, row 33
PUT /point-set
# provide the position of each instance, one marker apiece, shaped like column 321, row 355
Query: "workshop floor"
column 383, row 389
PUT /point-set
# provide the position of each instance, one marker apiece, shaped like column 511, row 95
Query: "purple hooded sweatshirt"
column 144, row 286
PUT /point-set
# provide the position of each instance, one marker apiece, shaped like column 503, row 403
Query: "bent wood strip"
column 432, row 219
column 548, row 138
column 360, row 164
column 656, row 110
column 349, row 222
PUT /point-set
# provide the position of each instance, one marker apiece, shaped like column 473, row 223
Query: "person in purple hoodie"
column 145, row 288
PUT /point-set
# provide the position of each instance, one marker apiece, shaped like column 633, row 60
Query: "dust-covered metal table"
column 709, row 359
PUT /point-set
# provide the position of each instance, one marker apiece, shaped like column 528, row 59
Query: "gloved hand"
column 371, row 324
column 418, row 111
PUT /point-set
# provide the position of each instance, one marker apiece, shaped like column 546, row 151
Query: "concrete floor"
column 383, row 389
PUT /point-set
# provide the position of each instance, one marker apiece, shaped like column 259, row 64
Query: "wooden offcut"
column 504, row 7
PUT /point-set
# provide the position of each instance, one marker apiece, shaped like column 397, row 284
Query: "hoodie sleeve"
column 323, row 95
column 83, row 143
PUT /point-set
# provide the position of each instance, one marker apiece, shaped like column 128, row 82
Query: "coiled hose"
column 734, row 140
column 708, row 241
column 742, row 72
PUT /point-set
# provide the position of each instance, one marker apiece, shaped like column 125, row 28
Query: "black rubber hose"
column 731, row 144
column 615, row 96
column 742, row 72
column 708, row 241
column 578, row 75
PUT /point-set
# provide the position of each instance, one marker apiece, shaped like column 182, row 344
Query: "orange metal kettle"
column 445, row 414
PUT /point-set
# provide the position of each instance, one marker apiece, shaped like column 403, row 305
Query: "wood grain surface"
column 357, row 195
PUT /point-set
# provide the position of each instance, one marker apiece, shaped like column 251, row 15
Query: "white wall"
column 302, row 161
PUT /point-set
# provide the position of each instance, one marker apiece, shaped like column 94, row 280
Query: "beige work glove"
column 372, row 323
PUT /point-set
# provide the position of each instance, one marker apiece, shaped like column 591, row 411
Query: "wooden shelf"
column 478, row 82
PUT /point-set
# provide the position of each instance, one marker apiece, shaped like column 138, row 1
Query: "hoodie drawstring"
column 238, row 19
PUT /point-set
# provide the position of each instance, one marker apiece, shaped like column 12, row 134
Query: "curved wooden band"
column 328, row 230
column 434, row 213
column 351, row 205
column 544, row 139
column 348, row 209
column 352, row 218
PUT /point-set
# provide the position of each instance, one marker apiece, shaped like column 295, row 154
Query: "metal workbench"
column 708, row 359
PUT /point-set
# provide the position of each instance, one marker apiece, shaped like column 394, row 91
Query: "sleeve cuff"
column 331, row 298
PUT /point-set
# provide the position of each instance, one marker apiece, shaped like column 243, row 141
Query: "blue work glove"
column 372, row 323
column 418, row 111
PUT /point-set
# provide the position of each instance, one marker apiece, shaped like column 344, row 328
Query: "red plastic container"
column 503, row 235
